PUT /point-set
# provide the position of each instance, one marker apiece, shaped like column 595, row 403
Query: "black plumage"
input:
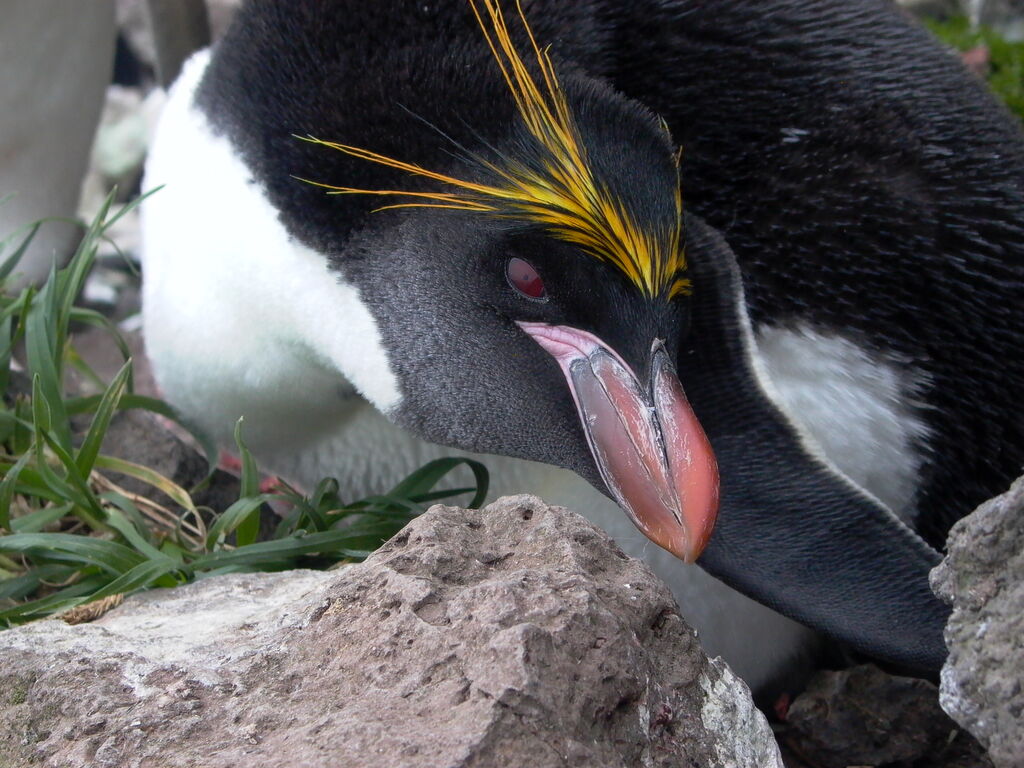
column 862, row 179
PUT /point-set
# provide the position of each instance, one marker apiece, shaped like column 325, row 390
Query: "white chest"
column 857, row 409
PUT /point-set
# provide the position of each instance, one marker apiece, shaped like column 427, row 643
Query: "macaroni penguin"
column 663, row 261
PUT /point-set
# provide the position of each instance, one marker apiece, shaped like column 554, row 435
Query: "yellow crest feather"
column 563, row 195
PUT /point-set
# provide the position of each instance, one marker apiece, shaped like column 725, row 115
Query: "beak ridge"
column 646, row 441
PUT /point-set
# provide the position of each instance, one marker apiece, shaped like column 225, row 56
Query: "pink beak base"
column 647, row 444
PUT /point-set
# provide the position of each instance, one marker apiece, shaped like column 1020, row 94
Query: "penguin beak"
column 646, row 441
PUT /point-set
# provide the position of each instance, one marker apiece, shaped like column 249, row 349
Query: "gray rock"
column 864, row 716
column 514, row 636
column 982, row 685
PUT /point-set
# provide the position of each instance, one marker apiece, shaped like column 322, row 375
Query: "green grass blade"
column 90, row 449
column 130, row 511
column 40, row 407
column 7, row 486
column 68, row 597
column 325, row 494
column 6, row 350
column 178, row 494
column 385, row 506
column 117, row 520
column 17, row 309
column 248, row 528
column 141, row 576
column 76, row 488
column 109, row 556
column 41, row 421
column 174, row 551
column 342, row 543
column 8, row 265
column 97, row 320
column 43, row 362
column 31, row 483
column 36, row 521
column 18, row 587
column 73, row 277
column 234, row 516
column 250, row 480
column 79, row 405
column 315, row 512
column 128, row 207
column 423, row 480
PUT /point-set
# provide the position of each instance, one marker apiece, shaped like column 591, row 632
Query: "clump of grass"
column 1006, row 59
column 70, row 535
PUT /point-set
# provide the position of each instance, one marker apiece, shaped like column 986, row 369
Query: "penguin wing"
column 793, row 532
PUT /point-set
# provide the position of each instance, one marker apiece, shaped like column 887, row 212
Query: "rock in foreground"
column 517, row 635
column 983, row 577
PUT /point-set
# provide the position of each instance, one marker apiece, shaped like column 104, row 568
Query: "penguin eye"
column 524, row 278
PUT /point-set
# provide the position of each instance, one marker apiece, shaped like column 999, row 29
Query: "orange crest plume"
column 562, row 194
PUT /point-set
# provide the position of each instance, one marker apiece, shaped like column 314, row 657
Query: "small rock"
column 866, row 717
column 142, row 438
column 518, row 635
column 982, row 684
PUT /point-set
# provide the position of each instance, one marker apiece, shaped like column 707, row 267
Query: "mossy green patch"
column 17, row 695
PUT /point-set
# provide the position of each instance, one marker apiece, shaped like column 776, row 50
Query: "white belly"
column 240, row 320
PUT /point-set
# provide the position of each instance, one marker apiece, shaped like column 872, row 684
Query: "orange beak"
column 646, row 441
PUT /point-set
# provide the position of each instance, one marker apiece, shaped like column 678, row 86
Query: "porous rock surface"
column 982, row 684
column 518, row 635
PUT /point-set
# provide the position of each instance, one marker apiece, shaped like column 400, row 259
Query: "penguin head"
column 534, row 306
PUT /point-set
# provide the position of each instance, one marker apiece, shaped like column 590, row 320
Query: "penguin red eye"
column 524, row 278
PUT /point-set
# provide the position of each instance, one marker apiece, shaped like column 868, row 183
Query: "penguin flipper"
column 793, row 532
